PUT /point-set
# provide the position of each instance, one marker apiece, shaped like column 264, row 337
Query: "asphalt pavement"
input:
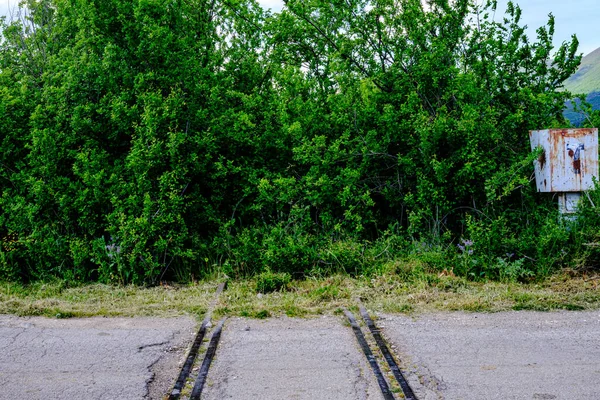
column 517, row 355
column 290, row 358
column 95, row 358
column 445, row 356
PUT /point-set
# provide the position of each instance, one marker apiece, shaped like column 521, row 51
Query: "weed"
column 268, row 281
column 262, row 314
column 292, row 312
column 572, row 307
column 423, row 290
column 327, row 292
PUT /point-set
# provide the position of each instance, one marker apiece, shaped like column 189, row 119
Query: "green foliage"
column 585, row 231
column 143, row 141
column 268, row 281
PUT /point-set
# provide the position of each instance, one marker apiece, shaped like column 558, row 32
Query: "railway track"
column 186, row 370
column 190, row 385
column 385, row 352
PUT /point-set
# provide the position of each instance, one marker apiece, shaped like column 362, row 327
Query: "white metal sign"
column 569, row 159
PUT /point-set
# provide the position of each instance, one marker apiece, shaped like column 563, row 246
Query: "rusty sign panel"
column 569, row 159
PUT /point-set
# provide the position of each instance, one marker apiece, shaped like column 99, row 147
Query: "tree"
column 155, row 138
column 436, row 99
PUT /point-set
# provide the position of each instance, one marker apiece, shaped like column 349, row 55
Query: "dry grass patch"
column 56, row 299
column 416, row 292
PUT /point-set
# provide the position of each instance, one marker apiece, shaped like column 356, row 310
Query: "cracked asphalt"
column 290, row 358
column 95, row 358
column 519, row 355
column 445, row 356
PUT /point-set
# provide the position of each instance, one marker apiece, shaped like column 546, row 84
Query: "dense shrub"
column 153, row 140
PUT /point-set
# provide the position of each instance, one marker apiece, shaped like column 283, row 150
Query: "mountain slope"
column 577, row 118
column 587, row 78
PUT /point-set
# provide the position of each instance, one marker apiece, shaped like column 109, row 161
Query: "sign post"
column 567, row 164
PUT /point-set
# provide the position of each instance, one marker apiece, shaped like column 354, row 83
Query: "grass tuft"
column 409, row 289
column 267, row 282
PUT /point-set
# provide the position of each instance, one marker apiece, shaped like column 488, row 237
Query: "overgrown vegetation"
column 396, row 291
column 150, row 140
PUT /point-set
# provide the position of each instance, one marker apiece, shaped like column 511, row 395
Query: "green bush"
column 268, row 281
column 147, row 140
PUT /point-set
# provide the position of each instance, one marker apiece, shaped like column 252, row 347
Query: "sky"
column 581, row 17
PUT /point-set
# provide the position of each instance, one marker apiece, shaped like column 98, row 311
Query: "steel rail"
column 406, row 389
column 193, row 353
column 208, row 357
column 362, row 341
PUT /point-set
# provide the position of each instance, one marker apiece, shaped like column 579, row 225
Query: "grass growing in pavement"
column 410, row 288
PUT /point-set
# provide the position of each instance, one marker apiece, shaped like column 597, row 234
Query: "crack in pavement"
column 145, row 346
column 15, row 337
column 70, row 359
